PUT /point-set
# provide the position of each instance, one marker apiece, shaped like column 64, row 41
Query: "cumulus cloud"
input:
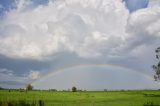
column 87, row 28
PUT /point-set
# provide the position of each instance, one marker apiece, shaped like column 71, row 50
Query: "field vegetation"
column 79, row 98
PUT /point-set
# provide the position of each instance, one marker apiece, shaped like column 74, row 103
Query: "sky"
column 43, row 41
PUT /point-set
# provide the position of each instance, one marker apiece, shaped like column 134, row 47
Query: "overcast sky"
column 38, row 37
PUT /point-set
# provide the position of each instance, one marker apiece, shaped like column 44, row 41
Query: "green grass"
column 110, row 98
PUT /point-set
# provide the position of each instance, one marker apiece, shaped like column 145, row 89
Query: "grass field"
column 106, row 98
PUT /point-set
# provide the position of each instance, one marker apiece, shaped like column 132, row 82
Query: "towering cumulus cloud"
column 83, row 27
column 88, row 28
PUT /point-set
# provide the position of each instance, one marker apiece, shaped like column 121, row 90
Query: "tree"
column 74, row 89
column 156, row 67
column 29, row 87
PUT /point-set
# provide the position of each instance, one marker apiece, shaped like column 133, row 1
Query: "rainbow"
column 90, row 65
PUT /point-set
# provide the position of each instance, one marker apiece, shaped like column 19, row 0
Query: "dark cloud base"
column 19, row 66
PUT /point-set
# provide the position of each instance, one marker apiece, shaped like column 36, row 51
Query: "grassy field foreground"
column 107, row 98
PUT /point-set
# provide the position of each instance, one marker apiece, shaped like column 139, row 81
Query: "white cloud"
column 154, row 3
column 22, row 4
column 64, row 26
column 143, row 27
column 87, row 28
column 33, row 75
column 145, row 21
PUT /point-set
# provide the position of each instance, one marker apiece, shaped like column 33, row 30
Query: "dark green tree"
column 74, row 89
column 29, row 87
column 156, row 67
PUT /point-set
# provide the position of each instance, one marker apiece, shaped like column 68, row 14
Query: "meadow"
column 85, row 98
